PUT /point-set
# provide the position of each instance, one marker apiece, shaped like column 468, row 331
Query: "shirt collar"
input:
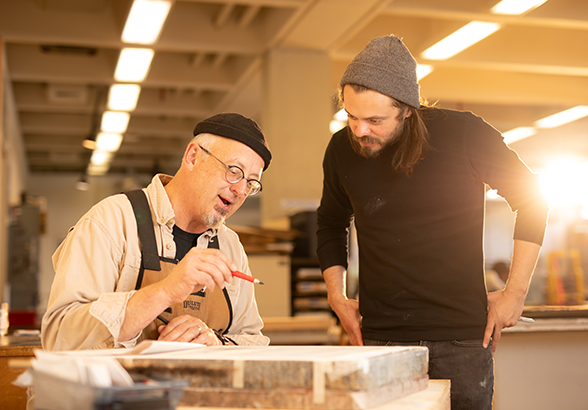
column 163, row 208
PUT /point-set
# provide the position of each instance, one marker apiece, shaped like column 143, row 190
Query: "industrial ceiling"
column 61, row 57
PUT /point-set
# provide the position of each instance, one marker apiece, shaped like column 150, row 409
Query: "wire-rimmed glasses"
column 234, row 174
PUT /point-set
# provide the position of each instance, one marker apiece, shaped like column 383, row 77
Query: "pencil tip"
column 261, row 283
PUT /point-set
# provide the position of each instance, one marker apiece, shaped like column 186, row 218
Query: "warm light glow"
column 336, row 125
column 517, row 134
column 339, row 121
column 341, row 115
column 563, row 117
column 100, row 157
column 566, row 183
column 97, row 169
column 133, row 64
column 108, row 141
column 89, row 143
column 115, row 121
column 123, row 97
column 492, row 194
column 145, row 21
column 459, row 40
column 423, row 70
column 515, row 7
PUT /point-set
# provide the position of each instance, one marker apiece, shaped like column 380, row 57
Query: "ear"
column 191, row 156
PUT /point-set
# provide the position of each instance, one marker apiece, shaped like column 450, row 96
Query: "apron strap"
column 149, row 255
column 213, row 243
column 150, row 258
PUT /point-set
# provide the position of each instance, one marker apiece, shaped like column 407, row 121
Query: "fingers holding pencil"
column 248, row 278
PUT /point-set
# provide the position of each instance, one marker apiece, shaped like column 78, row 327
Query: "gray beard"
column 213, row 220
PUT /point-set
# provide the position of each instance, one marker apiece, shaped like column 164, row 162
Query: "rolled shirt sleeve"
column 93, row 283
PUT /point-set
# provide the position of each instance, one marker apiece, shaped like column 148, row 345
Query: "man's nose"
column 362, row 129
column 240, row 188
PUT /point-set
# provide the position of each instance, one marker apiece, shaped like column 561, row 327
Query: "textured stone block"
column 291, row 377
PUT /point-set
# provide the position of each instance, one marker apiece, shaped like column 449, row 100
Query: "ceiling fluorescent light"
column 518, row 134
column 133, row 64
column 423, row 70
column 563, row 117
column 115, row 121
column 459, row 40
column 96, row 170
column 516, row 7
column 108, row 141
column 100, row 158
column 123, row 97
column 145, row 21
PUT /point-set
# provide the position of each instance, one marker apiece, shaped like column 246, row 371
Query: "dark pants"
column 466, row 363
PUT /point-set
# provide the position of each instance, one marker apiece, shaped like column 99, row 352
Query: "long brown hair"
column 414, row 139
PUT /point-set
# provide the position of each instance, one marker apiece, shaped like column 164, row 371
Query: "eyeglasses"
column 235, row 174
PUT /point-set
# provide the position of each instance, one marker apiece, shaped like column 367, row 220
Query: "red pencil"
column 248, row 278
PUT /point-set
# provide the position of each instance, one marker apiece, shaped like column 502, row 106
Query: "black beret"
column 239, row 128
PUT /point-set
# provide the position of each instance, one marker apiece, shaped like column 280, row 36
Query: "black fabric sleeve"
column 501, row 168
column 334, row 214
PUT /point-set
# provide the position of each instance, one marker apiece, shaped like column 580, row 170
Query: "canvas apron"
column 213, row 308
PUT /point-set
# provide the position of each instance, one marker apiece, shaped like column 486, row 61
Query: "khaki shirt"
column 96, row 269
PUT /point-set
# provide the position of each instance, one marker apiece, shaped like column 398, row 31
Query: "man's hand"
column 505, row 306
column 504, row 310
column 200, row 268
column 188, row 329
column 347, row 311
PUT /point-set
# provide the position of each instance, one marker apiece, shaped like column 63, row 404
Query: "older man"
column 157, row 263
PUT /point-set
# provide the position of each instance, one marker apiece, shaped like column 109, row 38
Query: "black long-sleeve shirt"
column 421, row 260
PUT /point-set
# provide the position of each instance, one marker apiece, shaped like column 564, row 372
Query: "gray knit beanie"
column 385, row 65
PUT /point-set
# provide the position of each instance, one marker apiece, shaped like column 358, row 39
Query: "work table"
column 553, row 319
column 551, row 325
column 536, row 358
column 556, row 312
column 543, row 365
column 12, row 348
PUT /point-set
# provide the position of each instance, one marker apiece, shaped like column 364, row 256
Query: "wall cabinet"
column 273, row 297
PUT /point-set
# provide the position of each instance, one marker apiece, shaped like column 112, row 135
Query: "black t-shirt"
column 184, row 241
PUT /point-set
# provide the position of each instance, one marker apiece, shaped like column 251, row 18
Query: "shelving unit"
column 309, row 291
